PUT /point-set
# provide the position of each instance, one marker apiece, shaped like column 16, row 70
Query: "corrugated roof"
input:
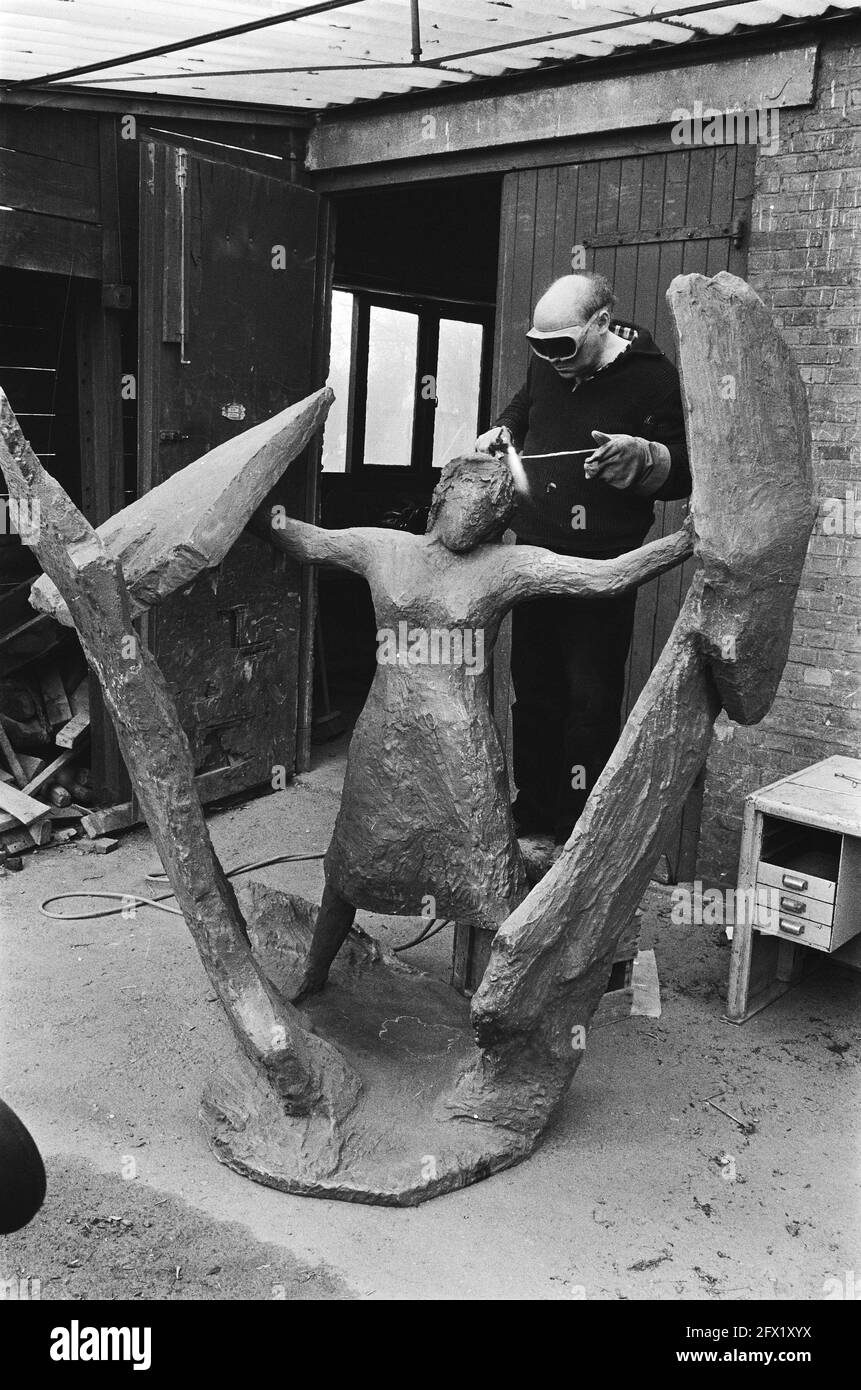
column 45, row 37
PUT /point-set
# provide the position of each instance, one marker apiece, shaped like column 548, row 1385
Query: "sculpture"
column 390, row 1088
column 425, row 805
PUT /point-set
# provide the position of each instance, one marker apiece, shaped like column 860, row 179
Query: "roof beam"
column 195, row 41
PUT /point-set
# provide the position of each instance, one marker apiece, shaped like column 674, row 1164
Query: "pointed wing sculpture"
column 189, row 522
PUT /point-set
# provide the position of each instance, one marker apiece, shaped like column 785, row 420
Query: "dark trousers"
column 568, row 666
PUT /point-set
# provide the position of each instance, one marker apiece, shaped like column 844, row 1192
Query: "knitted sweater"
column 637, row 393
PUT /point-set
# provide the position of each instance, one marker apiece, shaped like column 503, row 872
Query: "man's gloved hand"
column 626, row 461
column 499, row 437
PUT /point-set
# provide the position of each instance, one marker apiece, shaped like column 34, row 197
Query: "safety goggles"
column 562, row 346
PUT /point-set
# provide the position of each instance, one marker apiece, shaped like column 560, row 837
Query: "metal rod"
column 253, row 72
column 560, row 453
column 196, row 41
column 653, row 17
column 428, row 63
column 415, row 19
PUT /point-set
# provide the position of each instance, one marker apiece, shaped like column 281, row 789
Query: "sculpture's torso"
column 424, row 824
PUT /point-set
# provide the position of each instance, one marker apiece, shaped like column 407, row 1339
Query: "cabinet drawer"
column 795, row 904
column 796, row 881
column 790, row 927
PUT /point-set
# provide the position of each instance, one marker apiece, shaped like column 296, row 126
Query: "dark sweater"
column 637, row 393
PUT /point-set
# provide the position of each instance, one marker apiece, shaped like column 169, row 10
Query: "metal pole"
column 417, row 33
column 194, row 42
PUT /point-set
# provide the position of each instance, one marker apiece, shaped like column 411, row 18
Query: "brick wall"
column 805, row 262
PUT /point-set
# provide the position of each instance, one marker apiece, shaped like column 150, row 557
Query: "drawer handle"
column 793, row 905
column 793, row 928
column 792, row 881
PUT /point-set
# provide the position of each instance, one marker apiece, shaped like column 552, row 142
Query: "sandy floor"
column 110, row 1030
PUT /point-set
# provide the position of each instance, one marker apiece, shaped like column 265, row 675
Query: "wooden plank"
column 79, row 697
column 567, row 178
column 782, row 77
column 521, row 305
column 33, row 183
column 73, row 734
column 630, row 194
column 18, row 806
column 57, row 707
column 48, row 772
column 12, row 758
column 607, row 212
column 544, row 234
column 69, row 139
column 31, row 766
column 119, row 817
column 320, row 352
column 29, row 241
column 502, row 368
column 99, row 408
column 563, row 152
column 587, row 201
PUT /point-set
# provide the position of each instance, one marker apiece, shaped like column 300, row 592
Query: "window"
column 458, row 383
column 335, row 436
column 393, row 340
column 410, row 379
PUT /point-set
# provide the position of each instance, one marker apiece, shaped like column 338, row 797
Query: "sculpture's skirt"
column 425, row 825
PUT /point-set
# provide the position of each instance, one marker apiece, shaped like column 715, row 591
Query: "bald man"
column 592, row 383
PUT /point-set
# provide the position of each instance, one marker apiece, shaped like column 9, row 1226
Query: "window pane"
column 392, row 347
column 457, row 383
column 335, row 436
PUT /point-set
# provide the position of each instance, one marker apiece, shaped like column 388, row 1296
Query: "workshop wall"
column 804, row 262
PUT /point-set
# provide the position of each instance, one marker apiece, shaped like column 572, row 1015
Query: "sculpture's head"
column 473, row 502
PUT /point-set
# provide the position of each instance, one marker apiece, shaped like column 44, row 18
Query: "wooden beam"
column 29, row 241
column 72, row 98
column 33, row 183
column 778, row 79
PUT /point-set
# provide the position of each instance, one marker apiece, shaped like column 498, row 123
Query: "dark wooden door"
column 234, row 289
column 640, row 220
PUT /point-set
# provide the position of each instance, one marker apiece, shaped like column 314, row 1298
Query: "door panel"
column 233, row 298
column 642, row 220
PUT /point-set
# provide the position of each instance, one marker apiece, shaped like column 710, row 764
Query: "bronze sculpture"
column 389, row 1087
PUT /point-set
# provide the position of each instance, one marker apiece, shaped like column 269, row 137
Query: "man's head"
column 571, row 322
column 472, row 503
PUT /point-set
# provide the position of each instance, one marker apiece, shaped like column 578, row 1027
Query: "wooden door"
column 641, row 220
column 234, row 299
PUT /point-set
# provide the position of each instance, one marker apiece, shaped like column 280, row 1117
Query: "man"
column 606, row 390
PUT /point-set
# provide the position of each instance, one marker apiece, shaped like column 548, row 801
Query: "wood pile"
column 46, row 786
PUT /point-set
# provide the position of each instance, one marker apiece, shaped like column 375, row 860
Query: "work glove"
column 499, row 437
column 625, row 461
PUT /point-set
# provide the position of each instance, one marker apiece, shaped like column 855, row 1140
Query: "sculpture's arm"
column 533, row 572
column 314, row 545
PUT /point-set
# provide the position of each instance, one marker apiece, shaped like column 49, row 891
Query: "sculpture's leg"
column 334, row 921
column 552, row 957
column 308, row 1075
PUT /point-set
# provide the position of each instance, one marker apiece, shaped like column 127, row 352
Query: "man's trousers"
column 568, row 668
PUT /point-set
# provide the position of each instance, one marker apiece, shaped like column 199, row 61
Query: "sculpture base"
column 405, row 1034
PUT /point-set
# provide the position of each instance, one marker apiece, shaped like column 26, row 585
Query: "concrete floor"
column 110, row 1030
